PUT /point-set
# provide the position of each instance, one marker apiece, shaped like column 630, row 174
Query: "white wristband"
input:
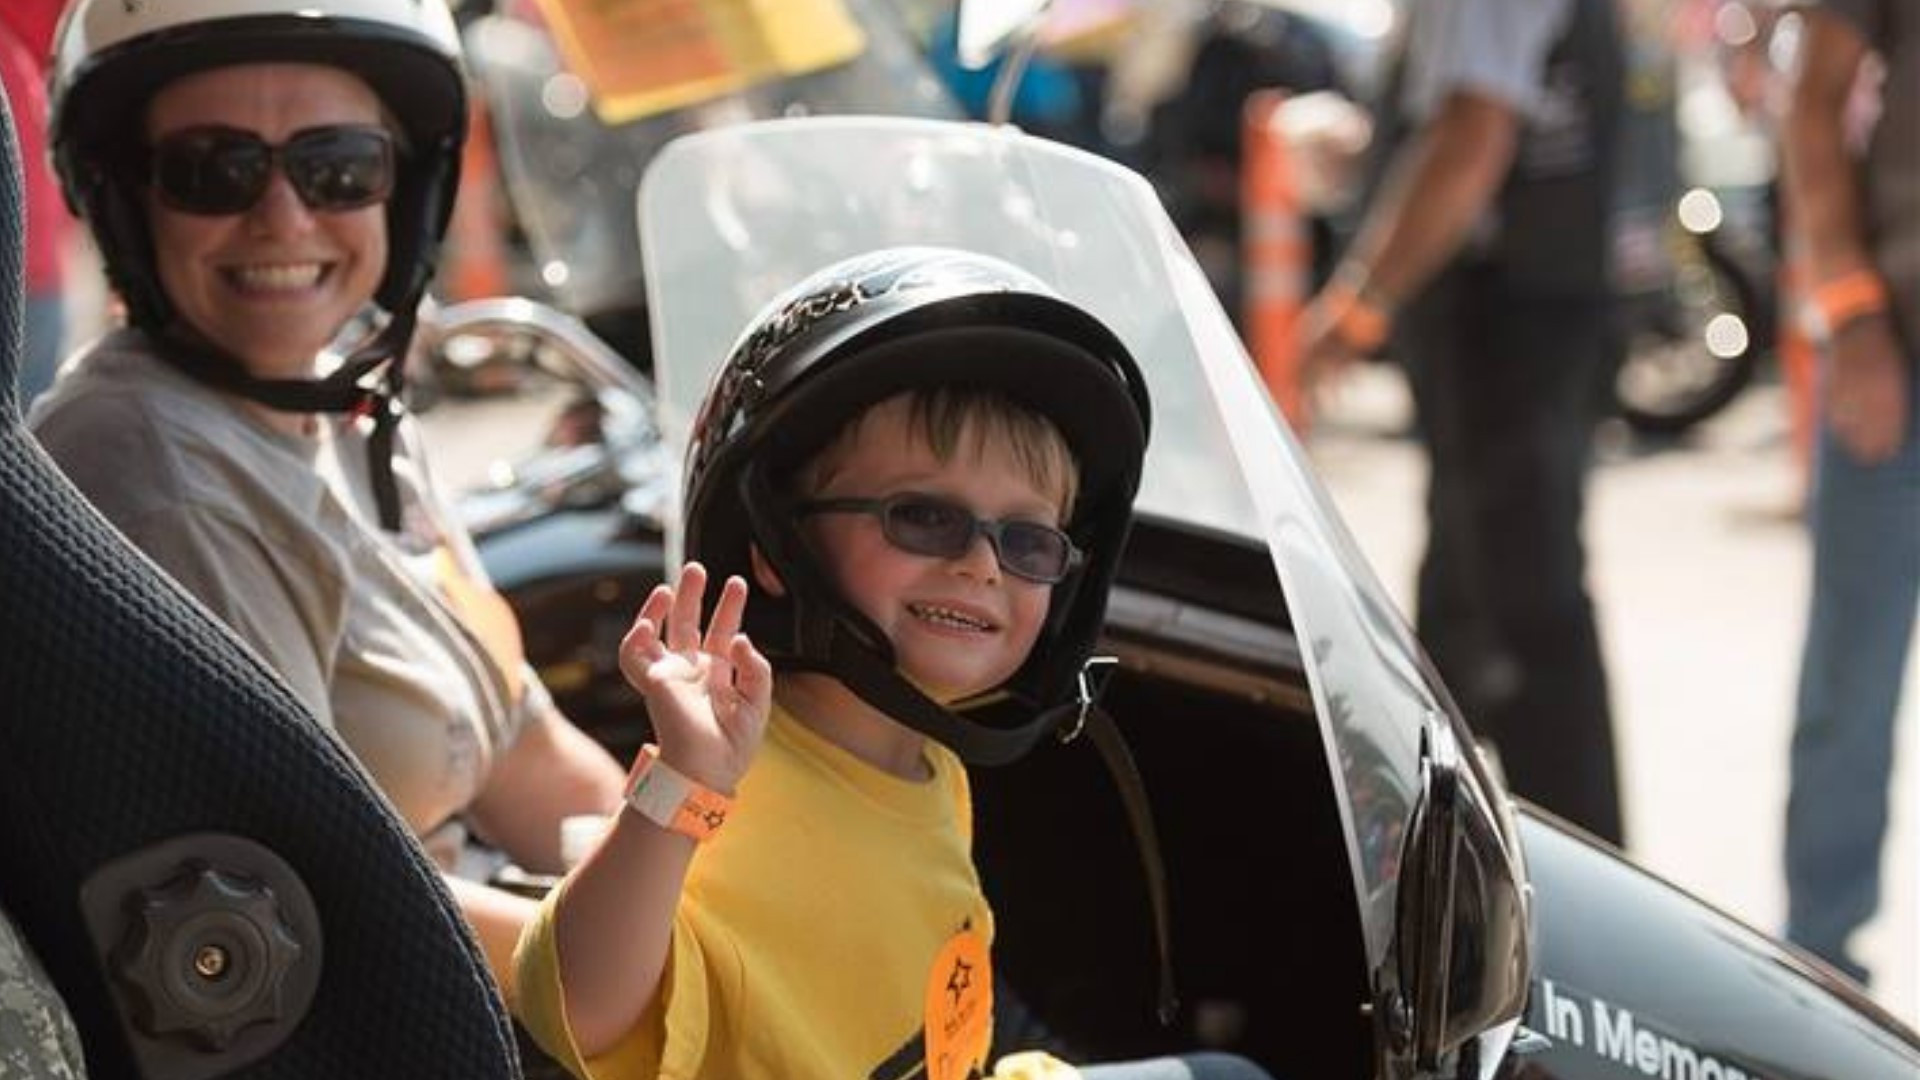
column 672, row 800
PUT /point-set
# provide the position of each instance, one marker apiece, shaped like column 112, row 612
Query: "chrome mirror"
column 529, row 411
column 1463, row 937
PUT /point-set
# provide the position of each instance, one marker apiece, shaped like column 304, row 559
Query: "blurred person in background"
column 26, row 39
column 1858, row 222
column 1484, row 254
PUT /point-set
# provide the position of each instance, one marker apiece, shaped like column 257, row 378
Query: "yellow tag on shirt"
column 641, row 57
column 959, row 1016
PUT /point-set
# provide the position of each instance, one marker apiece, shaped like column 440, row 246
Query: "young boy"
column 925, row 462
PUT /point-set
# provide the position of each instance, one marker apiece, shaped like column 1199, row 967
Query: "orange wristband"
column 672, row 800
column 1838, row 301
column 1363, row 325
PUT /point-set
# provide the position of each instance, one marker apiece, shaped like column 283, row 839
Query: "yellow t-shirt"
column 835, row 929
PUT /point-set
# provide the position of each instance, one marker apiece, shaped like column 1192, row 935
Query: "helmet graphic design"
column 112, row 55
column 867, row 329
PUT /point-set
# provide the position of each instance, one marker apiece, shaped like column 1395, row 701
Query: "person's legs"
column 1506, row 408
column 1866, row 581
column 1532, row 424
column 1208, row 1066
column 1440, row 336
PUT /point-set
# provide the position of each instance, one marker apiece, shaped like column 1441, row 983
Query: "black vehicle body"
column 1353, row 891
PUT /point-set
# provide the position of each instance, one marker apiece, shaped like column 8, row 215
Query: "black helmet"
column 851, row 336
column 111, row 56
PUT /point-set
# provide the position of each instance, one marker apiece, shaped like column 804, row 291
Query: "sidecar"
column 1353, row 891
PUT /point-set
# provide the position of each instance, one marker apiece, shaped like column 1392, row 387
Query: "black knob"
column 207, row 955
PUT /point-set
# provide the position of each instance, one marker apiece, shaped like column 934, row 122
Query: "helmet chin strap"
column 875, row 681
column 347, row 389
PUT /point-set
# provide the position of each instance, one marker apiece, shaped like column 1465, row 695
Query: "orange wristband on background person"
column 1834, row 303
column 672, row 800
column 1361, row 324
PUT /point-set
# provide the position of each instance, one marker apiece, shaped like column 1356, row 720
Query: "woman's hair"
column 955, row 419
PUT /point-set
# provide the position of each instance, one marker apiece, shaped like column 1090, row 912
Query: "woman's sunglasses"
column 928, row 525
column 217, row 170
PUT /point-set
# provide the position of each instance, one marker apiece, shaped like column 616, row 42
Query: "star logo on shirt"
column 960, row 980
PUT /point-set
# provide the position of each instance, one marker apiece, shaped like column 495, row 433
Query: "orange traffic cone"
column 475, row 256
column 1276, row 255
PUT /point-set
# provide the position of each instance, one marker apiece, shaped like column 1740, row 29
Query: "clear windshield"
column 730, row 218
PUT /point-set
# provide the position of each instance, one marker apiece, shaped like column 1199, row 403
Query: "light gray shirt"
column 276, row 535
column 1494, row 47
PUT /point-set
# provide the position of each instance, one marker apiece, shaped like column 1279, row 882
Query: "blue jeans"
column 1184, row 1067
column 1866, row 583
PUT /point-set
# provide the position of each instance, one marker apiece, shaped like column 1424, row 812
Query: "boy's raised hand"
column 708, row 695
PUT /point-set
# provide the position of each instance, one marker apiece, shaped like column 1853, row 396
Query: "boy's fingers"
column 654, row 608
column 683, row 621
column 752, row 674
column 727, row 615
column 639, row 649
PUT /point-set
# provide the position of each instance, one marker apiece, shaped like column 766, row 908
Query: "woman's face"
column 270, row 285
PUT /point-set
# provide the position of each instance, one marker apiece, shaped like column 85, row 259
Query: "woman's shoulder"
column 137, row 437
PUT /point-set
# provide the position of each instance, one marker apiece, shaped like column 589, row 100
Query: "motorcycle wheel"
column 1691, row 349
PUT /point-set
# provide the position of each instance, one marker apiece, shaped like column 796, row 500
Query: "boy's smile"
column 960, row 625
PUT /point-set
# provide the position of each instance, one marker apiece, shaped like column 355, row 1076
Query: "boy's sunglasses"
column 929, row 525
column 218, row 170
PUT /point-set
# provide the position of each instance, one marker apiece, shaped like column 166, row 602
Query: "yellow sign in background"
column 641, row 57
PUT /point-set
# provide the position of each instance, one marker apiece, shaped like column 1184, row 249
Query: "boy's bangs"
column 956, row 420
column 953, row 419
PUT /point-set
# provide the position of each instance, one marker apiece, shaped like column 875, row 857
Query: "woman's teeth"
column 278, row 278
column 946, row 616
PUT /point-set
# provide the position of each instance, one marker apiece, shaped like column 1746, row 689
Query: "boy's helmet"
column 867, row 329
column 111, row 56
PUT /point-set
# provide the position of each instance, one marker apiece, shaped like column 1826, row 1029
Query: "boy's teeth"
column 288, row 276
column 935, row 613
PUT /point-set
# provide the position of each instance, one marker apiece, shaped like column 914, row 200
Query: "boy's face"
column 959, row 626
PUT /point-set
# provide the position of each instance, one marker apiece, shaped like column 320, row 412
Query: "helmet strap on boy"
column 1112, row 744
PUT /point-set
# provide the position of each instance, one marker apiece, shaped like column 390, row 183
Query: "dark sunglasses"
column 218, row 170
column 929, row 525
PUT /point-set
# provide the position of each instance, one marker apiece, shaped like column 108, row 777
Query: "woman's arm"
column 552, row 771
column 497, row 917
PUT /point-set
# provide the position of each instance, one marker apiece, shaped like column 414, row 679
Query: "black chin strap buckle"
column 1086, row 695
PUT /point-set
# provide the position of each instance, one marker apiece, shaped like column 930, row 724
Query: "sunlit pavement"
column 1698, row 567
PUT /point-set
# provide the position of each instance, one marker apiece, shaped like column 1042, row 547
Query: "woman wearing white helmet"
column 255, row 173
